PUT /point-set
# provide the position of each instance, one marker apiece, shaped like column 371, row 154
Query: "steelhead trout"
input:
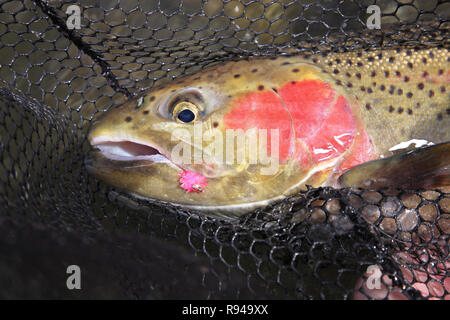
column 242, row 134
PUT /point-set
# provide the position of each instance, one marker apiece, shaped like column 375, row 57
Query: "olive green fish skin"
column 400, row 95
column 403, row 94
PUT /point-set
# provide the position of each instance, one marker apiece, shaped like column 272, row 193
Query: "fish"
column 242, row 134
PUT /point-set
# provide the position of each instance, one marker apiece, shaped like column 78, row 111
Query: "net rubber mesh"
column 317, row 244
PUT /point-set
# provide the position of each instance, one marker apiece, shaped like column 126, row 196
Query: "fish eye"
column 185, row 112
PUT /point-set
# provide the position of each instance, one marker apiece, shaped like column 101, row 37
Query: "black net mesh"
column 318, row 244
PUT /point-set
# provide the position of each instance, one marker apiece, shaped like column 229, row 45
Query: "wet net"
column 319, row 244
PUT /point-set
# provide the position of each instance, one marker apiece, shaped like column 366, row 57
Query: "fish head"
column 237, row 125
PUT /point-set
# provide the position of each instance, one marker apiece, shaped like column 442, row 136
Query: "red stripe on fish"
column 309, row 102
column 262, row 110
column 324, row 124
column 336, row 134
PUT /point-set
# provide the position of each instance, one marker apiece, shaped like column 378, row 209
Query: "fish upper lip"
column 128, row 149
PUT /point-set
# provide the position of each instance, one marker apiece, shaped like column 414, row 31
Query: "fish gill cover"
column 55, row 80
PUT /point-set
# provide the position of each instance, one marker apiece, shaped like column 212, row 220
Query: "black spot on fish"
column 439, row 116
column 397, row 73
column 370, row 59
column 215, row 124
column 237, row 76
column 440, row 72
column 285, row 63
column 425, row 74
column 447, row 110
column 410, row 112
column 358, row 75
column 391, row 109
column 359, row 64
column 382, row 87
column 406, row 79
column 349, row 84
column 339, row 82
column 442, row 89
column 230, row 96
column 347, row 75
column 200, row 87
column 420, row 86
column 145, row 112
column 431, row 54
column 380, row 55
column 197, row 78
column 409, row 94
column 399, row 92
column 128, row 119
column 152, row 98
column 260, row 87
column 369, row 90
column 391, row 59
column 255, row 70
column 368, row 106
column 408, row 52
column 410, row 65
column 400, row 110
column 391, row 89
column 349, row 62
column 373, row 74
column 314, row 60
column 273, row 58
column 330, row 63
column 363, row 89
column 386, row 74
column 295, row 70
column 424, row 60
column 338, row 60
column 293, row 82
column 431, row 93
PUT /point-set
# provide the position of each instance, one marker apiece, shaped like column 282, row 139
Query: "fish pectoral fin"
column 426, row 167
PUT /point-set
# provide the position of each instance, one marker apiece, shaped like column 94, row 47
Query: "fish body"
column 260, row 129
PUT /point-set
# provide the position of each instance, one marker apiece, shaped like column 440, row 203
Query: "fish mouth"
column 129, row 150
